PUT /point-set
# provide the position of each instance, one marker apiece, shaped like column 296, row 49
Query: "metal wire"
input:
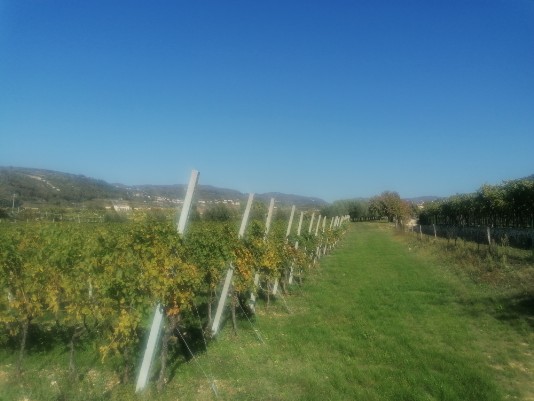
column 210, row 380
column 281, row 296
column 254, row 329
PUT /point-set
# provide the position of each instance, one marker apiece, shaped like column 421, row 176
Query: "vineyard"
column 522, row 238
column 135, row 293
column 507, row 205
column 502, row 214
column 95, row 285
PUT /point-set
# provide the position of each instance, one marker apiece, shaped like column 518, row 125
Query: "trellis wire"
column 213, row 386
column 254, row 329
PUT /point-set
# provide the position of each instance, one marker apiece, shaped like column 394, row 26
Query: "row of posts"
column 157, row 321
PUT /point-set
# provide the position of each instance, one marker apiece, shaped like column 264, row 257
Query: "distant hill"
column 47, row 187
column 296, row 200
column 177, row 191
column 52, row 187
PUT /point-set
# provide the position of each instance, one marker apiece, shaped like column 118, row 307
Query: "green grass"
column 377, row 321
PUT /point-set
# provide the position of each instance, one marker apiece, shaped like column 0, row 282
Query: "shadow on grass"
column 194, row 337
column 191, row 339
column 39, row 339
column 517, row 310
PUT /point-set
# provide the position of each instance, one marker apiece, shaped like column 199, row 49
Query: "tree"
column 358, row 210
column 390, row 205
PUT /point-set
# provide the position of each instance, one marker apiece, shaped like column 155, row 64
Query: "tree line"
column 510, row 204
column 507, row 205
column 388, row 205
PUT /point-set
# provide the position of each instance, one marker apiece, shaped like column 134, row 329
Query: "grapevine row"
column 99, row 283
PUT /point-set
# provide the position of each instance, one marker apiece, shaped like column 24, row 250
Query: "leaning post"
column 269, row 218
column 317, row 250
column 290, row 280
column 317, row 226
column 230, row 272
column 290, row 221
column 276, row 281
column 324, row 239
column 157, row 321
column 257, row 274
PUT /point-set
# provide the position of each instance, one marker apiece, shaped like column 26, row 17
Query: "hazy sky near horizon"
column 334, row 99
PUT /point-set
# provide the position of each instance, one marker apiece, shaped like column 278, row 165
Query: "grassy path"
column 375, row 323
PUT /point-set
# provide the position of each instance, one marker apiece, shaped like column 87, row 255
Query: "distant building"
column 120, row 206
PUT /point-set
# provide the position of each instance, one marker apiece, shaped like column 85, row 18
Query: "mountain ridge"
column 23, row 185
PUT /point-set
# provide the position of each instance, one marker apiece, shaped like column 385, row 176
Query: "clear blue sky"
column 335, row 99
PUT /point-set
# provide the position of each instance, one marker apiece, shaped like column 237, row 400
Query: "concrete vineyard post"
column 150, row 349
column 257, row 275
column 325, row 243
column 268, row 226
column 186, row 209
column 290, row 221
column 300, row 224
column 290, row 280
column 269, row 217
column 276, row 281
column 317, row 226
column 157, row 321
column 317, row 250
column 230, row 271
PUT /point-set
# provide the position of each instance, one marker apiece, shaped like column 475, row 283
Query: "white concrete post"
column 324, row 239
column 300, row 223
column 290, row 221
column 244, row 221
column 311, row 224
column 257, row 275
column 290, row 280
column 317, row 250
column 269, row 217
column 157, row 321
column 186, row 209
column 150, row 349
column 276, row 281
column 230, row 272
